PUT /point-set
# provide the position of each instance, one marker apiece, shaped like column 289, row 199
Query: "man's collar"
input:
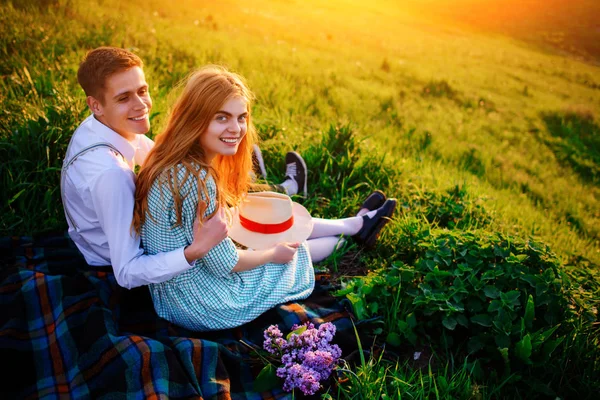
column 123, row 145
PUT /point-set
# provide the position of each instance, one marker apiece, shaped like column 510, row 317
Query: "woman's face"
column 226, row 129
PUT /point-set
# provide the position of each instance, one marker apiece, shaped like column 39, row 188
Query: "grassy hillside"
column 484, row 103
column 566, row 26
column 470, row 130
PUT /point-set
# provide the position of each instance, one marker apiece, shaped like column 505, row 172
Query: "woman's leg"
column 325, row 237
column 321, row 248
column 336, row 227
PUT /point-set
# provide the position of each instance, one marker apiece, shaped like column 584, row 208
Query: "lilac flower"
column 326, row 331
column 309, row 325
column 273, row 332
column 305, row 379
column 295, row 341
column 307, row 358
column 320, row 361
column 309, row 384
column 282, row 372
column 273, row 339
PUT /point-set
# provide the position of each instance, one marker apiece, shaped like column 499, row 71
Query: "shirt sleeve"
column 221, row 259
column 113, row 200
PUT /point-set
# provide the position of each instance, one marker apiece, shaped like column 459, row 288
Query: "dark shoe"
column 296, row 170
column 369, row 233
column 374, row 201
column 258, row 163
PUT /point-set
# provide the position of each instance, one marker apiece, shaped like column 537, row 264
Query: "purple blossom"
column 307, row 358
column 309, row 325
column 287, row 360
column 295, row 341
column 321, row 361
column 305, row 379
column 326, row 331
column 274, row 341
column 282, row 372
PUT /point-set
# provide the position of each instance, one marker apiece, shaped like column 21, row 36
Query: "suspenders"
column 68, row 163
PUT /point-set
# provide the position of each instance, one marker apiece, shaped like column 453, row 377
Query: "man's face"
column 126, row 103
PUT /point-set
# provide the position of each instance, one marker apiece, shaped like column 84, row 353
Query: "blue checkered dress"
column 209, row 296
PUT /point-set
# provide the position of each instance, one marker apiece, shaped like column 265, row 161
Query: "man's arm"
column 113, row 201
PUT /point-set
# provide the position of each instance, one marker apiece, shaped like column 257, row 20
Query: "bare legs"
column 321, row 248
column 325, row 237
column 335, row 227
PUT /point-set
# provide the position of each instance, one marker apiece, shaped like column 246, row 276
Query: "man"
column 98, row 182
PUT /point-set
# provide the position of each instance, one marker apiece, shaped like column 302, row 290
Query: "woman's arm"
column 207, row 235
column 221, row 255
column 280, row 254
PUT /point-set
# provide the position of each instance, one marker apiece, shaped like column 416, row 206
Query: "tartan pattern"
column 68, row 330
column 208, row 296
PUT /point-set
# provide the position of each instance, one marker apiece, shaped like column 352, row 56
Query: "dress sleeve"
column 222, row 258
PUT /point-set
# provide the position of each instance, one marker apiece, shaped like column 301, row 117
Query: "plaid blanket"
column 68, row 330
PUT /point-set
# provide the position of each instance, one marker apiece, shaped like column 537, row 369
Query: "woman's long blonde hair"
column 205, row 92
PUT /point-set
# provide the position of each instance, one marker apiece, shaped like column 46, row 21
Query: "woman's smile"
column 230, row 141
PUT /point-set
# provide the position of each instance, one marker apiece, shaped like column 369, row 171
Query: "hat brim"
column 299, row 232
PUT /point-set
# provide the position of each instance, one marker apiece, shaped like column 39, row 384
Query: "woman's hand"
column 283, row 253
column 207, row 235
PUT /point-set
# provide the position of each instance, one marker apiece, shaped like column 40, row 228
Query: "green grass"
column 381, row 379
column 472, row 131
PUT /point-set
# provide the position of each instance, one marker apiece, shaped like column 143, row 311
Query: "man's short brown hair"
column 99, row 64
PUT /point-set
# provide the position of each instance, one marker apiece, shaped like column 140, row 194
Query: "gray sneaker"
column 296, row 170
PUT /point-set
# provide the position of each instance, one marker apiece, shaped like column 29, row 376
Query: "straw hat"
column 267, row 218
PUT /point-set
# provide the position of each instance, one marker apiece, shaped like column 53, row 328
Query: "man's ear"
column 95, row 106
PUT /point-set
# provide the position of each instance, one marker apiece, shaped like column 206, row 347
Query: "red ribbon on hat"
column 254, row 226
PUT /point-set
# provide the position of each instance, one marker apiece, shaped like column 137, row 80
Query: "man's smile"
column 144, row 116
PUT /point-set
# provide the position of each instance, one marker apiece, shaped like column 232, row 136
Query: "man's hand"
column 283, row 253
column 207, row 235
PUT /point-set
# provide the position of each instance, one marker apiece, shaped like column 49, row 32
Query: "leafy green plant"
column 500, row 296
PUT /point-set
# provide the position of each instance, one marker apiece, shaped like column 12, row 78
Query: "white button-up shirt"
column 98, row 194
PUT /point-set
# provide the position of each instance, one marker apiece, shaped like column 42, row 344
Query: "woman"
column 204, row 155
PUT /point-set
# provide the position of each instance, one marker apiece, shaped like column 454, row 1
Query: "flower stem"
column 256, row 351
